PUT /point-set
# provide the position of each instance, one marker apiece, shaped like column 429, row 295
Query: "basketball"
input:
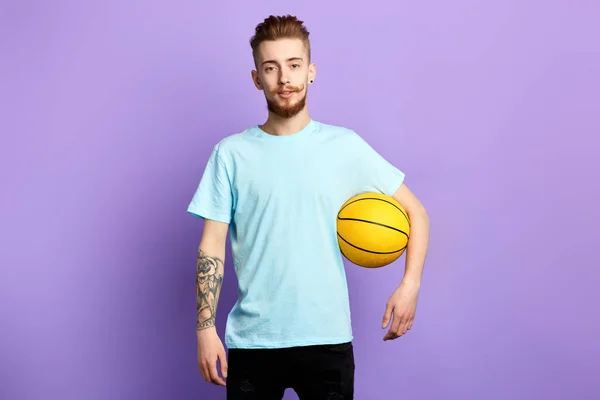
column 372, row 230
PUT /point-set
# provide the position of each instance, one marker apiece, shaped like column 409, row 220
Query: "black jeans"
column 313, row 372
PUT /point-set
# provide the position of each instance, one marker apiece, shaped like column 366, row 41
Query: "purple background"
column 109, row 112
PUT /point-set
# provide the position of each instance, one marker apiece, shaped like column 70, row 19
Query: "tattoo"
column 209, row 278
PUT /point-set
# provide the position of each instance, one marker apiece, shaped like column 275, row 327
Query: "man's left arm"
column 401, row 306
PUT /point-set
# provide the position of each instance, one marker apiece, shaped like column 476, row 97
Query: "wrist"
column 206, row 330
column 413, row 282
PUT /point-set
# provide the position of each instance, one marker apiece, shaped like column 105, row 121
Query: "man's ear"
column 312, row 72
column 256, row 80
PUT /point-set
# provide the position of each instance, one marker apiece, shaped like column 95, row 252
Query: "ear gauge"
column 311, row 81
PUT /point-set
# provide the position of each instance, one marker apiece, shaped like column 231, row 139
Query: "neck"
column 275, row 125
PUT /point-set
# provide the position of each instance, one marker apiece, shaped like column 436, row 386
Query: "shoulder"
column 333, row 129
column 228, row 143
column 231, row 144
column 337, row 132
column 342, row 135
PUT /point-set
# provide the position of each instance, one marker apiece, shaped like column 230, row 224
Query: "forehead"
column 281, row 49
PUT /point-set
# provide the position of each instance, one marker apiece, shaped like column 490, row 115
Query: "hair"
column 280, row 27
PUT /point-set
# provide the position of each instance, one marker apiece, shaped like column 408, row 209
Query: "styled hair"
column 280, row 27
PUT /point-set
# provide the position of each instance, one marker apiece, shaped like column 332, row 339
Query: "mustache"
column 288, row 89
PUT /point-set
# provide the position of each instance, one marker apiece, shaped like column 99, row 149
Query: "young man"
column 277, row 188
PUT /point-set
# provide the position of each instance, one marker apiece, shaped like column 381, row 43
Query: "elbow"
column 418, row 212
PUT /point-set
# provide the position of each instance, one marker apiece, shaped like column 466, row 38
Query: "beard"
column 284, row 108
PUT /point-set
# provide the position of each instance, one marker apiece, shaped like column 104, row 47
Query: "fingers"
column 391, row 333
column 397, row 325
column 223, row 362
column 387, row 315
column 214, row 375
column 208, row 370
column 400, row 326
column 204, row 370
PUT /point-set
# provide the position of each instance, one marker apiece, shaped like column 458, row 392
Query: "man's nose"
column 284, row 79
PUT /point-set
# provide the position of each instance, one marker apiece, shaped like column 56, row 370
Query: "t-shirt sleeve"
column 213, row 196
column 371, row 171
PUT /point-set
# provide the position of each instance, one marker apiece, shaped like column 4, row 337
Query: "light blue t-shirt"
column 280, row 196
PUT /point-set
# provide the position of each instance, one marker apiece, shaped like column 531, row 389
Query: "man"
column 277, row 188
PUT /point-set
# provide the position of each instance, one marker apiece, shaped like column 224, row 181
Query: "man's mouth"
column 286, row 93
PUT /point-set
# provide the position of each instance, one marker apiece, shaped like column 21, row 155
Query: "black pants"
column 313, row 372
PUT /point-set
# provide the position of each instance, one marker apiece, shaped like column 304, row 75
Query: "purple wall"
column 110, row 109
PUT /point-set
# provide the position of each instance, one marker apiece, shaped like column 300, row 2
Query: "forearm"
column 418, row 243
column 209, row 279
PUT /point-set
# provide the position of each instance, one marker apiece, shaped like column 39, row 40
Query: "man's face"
column 283, row 72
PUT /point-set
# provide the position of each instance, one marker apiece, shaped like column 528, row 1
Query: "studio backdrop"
column 110, row 110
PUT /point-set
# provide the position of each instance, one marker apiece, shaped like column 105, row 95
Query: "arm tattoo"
column 209, row 278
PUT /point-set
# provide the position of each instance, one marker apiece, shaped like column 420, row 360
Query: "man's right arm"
column 210, row 272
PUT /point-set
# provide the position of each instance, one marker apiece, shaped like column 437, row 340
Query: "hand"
column 210, row 349
column 402, row 306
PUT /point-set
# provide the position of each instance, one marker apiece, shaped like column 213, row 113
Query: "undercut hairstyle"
column 280, row 27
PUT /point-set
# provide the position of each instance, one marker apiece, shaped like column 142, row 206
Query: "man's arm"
column 418, row 242
column 402, row 303
column 210, row 272
column 209, row 279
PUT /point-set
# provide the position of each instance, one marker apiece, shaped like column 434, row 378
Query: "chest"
column 305, row 178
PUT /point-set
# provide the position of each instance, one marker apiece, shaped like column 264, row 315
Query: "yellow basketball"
column 372, row 229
